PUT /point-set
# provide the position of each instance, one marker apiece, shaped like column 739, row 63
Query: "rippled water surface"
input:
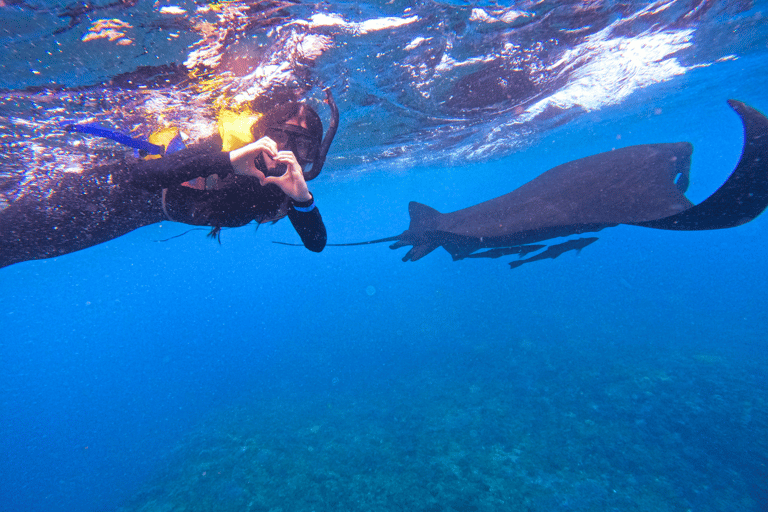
column 421, row 82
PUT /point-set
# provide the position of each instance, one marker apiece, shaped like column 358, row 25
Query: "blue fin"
column 176, row 144
column 122, row 138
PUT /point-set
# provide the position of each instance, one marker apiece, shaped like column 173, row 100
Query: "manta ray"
column 641, row 185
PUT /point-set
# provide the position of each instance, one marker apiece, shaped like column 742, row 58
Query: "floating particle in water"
column 370, row 290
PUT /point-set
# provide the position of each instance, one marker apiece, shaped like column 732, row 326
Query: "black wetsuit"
column 81, row 210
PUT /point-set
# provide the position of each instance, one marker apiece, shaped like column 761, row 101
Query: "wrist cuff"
column 304, row 206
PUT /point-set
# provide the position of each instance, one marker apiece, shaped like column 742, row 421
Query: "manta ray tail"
column 423, row 218
column 420, row 234
column 743, row 196
column 350, row 244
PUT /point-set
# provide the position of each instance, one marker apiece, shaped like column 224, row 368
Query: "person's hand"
column 291, row 182
column 243, row 159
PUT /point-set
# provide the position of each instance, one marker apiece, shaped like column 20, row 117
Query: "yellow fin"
column 162, row 137
column 235, row 127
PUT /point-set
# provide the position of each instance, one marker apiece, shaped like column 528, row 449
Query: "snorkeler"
column 200, row 185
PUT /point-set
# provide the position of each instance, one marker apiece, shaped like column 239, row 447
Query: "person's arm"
column 303, row 213
column 308, row 223
column 178, row 167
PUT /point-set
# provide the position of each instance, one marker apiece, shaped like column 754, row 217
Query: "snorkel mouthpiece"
column 277, row 171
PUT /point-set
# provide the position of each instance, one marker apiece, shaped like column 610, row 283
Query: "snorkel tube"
column 317, row 165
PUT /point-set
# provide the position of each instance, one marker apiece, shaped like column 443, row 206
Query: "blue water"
column 188, row 375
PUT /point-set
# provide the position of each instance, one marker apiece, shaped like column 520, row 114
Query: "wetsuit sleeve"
column 178, row 167
column 308, row 223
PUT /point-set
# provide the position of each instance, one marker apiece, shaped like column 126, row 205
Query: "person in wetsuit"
column 199, row 185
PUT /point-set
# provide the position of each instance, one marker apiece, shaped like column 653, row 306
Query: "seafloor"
column 508, row 425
